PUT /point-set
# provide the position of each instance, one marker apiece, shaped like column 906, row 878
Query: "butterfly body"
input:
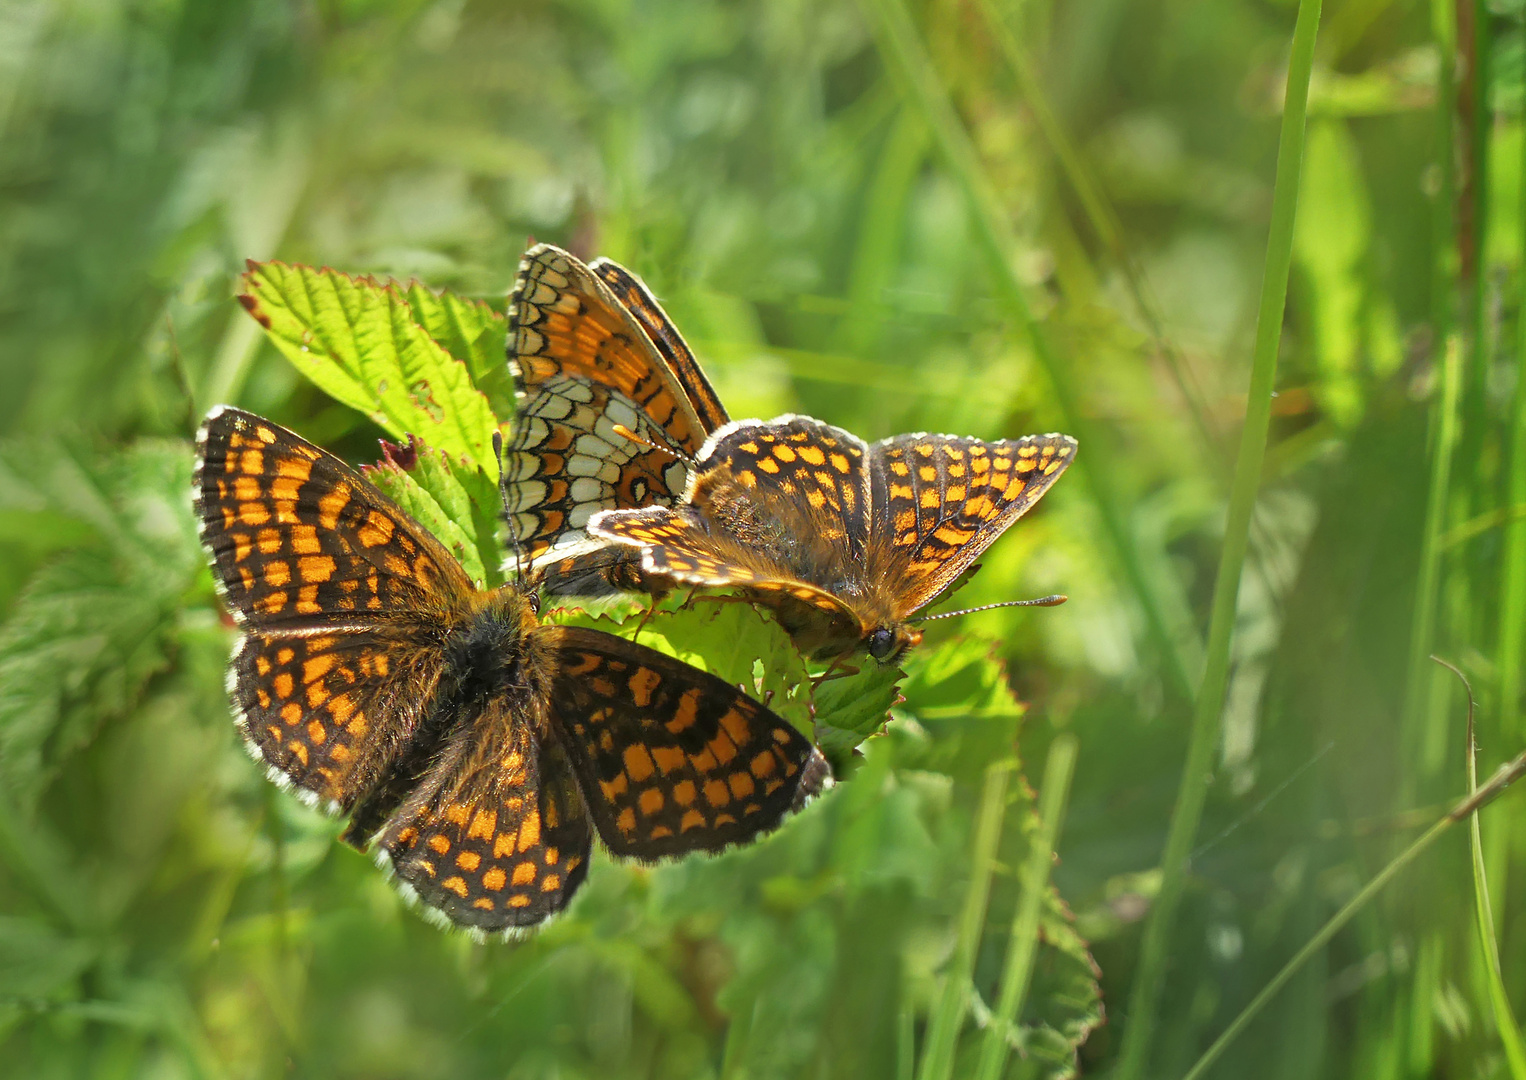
column 479, row 748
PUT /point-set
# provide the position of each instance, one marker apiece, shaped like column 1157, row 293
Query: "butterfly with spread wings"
column 480, row 749
column 846, row 540
column 595, row 357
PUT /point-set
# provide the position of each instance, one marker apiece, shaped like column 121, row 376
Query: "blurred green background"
column 165, row 912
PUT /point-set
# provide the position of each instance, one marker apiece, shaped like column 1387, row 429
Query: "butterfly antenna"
column 503, row 495
column 1043, row 601
column 672, row 452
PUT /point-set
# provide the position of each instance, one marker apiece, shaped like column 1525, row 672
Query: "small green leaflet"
column 358, row 340
column 451, row 498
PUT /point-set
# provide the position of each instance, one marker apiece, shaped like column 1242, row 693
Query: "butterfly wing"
column 636, row 298
column 671, row 759
column 299, row 540
column 495, row 834
column 583, row 364
column 943, row 500
column 334, row 585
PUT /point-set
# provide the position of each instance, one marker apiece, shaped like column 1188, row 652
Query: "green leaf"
column 35, row 962
column 92, row 627
column 451, row 498
column 356, row 338
column 473, row 333
column 852, row 708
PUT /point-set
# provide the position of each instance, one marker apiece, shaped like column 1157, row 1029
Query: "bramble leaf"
column 451, row 498
column 356, row 338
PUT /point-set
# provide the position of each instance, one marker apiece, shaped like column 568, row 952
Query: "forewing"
column 636, row 298
column 299, row 540
column 940, row 501
column 584, row 365
column 496, row 834
column 672, row 759
column 330, row 712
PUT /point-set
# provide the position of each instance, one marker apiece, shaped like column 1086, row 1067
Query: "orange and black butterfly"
column 844, row 539
column 480, row 749
column 592, row 354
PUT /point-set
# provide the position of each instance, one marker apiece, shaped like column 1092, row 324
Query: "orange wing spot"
column 440, row 843
column 407, row 835
column 741, row 785
column 641, row 685
column 1027, row 451
column 524, row 874
column 341, row 753
column 316, row 568
column 717, row 793
column 495, row 879
column 263, row 698
column 299, row 751
column 812, row 455
column 252, row 462
column 457, row 813
column 317, row 734
column 332, row 504
column 763, row 765
column 928, row 473
column 262, row 664
column 291, row 712
column 626, row 822
column 613, row 789
column 304, row 540
column 529, row 831
column 955, row 494
column 724, row 819
column 1026, row 465
column 469, row 861
column 484, row 825
column 285, row 655
column 901, row 491
column 705, row 761
column 784, row 453
column 1001, row 463
column 253, row 514
column 956, row 470
column 722, row 749
column 638, row 763
column 483, row 903
column 282, row 684
column 980, row 466
column 734, row 723
column 586, row 662
column 815, row 498
column 551, row 883
column 284, row 490
column 318, row 666
column 691, row 820
column 840, row 463
column 749, row 448
column 669, row 758
column 651, row 801
column 978, row 507
column 264, row 434
column 455, row 884
column 659, row 832
column 307, row 601
column 268, row 539
column 376, row 531
column 247, row 489
column 1051, row 467
column 906, row 519
column 518, row 900
column 683, row 792
column 277, row 573
column 294, row 467
column 1015, row 488
column 950, row 535
column 930, row 498
column 768, row 465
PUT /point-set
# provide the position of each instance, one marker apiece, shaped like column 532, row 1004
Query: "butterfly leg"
column 837, row 669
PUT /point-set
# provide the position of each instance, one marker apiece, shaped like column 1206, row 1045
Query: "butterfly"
column 846, row 540
column 592, row 353
column 479, row 748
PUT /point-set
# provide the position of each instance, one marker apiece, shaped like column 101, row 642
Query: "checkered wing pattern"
column 328, row 711
column 673, row 759
column 298, row 539
column 940, row 501
column 584, row 365
column 637, row 299
column 495, row 835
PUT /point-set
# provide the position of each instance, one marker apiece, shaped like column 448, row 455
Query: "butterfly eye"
column 535, row 602
column 881, row 643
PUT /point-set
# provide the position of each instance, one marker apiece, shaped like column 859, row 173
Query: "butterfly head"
column 887, row 643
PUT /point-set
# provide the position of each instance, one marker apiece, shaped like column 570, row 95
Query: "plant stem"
column 1023, row 945
column 938, row 1055
column 1144, row 997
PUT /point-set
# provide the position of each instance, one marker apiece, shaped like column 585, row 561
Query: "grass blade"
column 1018, row 971
column 938, row 1056
column 1188, row 811
column 909, row 62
